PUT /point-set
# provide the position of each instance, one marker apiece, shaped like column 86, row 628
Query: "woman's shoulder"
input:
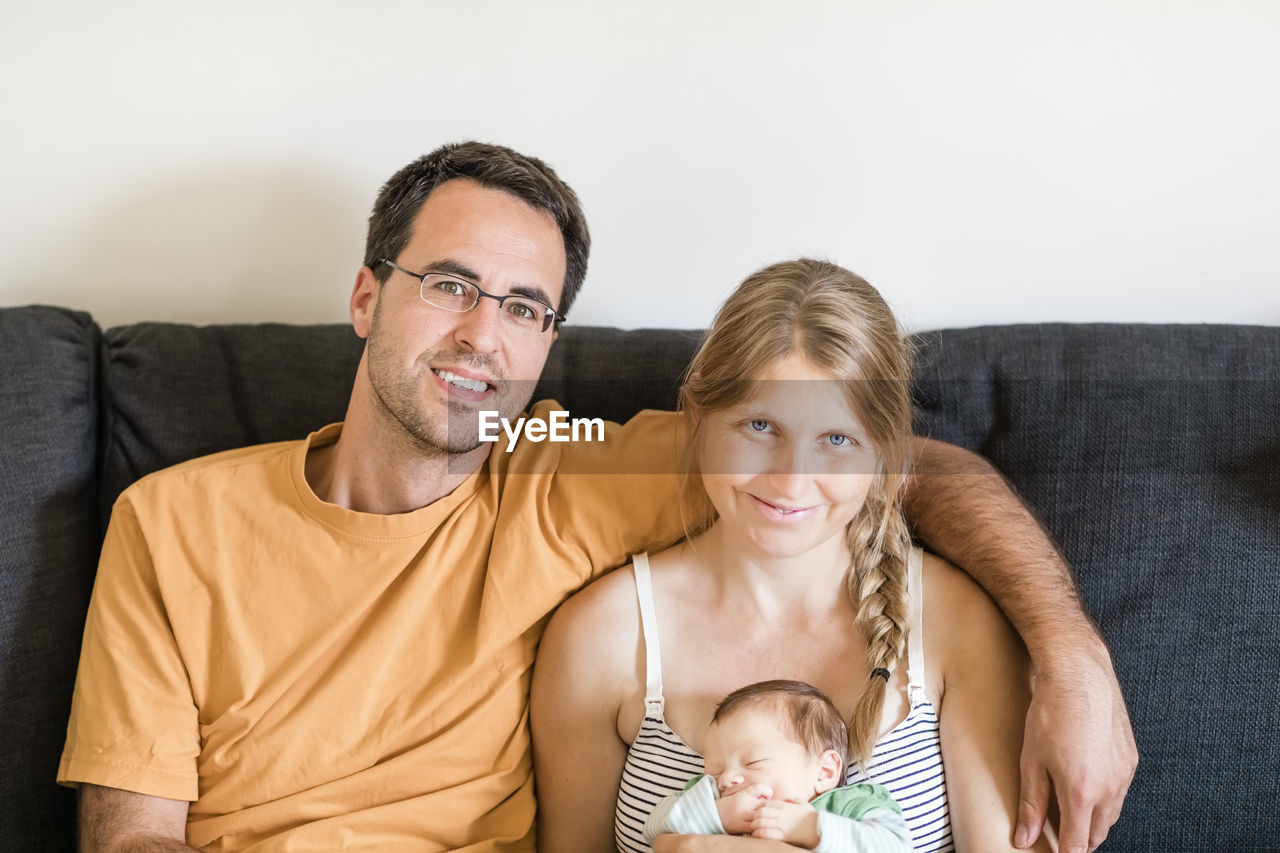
column 590, row 649
column 960, row 618
column 950, row 590
column 603, row 607
column 605, row 615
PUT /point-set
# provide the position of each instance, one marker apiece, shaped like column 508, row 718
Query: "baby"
column 775, row 757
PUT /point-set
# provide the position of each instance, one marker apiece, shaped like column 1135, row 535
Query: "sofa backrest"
column 1152, row 453
column 49, row 360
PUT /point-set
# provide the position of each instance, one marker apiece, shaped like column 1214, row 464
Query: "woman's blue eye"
column 838, row 440
column 759, row 425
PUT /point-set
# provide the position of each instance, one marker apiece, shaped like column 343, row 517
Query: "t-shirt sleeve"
column 134, row 723
column 619, row 496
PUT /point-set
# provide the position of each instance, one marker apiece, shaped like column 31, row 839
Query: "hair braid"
column 877, row 583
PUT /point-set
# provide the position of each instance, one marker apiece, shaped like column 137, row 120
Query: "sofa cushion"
column 1153, row 455
column 49, row 541
column 174, row 391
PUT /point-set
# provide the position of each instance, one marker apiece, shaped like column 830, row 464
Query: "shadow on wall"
column 246, row 244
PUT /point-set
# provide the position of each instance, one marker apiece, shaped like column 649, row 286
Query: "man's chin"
column 464, row 421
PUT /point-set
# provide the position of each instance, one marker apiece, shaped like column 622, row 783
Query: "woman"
column 798, row 565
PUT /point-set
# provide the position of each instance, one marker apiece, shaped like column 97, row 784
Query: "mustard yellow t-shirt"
column 314, row 678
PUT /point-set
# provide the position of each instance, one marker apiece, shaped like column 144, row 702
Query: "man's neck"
column 383, row 472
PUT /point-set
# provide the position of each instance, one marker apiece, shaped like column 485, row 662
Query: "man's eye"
column 523, row 311
column 452, row 288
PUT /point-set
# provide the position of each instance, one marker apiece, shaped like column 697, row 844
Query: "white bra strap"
column 915, row 632
column 649, row 625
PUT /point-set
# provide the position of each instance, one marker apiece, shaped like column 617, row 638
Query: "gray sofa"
column 1151, row 452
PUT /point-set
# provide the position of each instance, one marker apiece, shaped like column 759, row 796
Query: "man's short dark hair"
column 493, row 166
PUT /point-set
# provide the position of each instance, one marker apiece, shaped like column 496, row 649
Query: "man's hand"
column 737, row 810
column 1079, row 743
column 794, row 823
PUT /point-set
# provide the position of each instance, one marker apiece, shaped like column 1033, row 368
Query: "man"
column 327, row 644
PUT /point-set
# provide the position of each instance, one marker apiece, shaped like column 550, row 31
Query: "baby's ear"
column 830, row 772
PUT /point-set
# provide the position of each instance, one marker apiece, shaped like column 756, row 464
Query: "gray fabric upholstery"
column 48, row 550
column 1153, row 455
column 173, row 392
column 1151, row 452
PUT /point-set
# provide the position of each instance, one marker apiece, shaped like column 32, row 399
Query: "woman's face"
column 790, row 467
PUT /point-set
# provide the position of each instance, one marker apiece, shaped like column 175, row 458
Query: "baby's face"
column 754, row 746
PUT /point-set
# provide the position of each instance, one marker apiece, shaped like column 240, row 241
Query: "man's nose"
column 480, row 328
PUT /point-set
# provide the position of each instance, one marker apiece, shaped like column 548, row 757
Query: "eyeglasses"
column 451, row 293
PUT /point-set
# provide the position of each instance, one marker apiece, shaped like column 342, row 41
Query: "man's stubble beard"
column 399, row 395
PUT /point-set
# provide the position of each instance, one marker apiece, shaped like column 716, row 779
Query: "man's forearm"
column 150, row 844
column 116, row 821
column 966, row 512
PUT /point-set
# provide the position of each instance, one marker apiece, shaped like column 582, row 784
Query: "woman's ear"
column 830, row 772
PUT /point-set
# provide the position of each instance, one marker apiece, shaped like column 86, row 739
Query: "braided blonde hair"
column 840, row 324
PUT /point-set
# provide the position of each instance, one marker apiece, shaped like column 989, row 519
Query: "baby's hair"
column 812, row 718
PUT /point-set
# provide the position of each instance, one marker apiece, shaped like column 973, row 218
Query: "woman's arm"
column 586, row 667
column 1079, row 739
column 985, row 690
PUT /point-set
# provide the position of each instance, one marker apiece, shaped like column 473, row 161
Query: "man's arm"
column 115, row 821
column 1078, row 737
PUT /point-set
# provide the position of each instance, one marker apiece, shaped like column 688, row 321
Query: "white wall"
column 981, row 162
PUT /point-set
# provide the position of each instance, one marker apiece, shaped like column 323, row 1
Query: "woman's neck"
column 740, row 575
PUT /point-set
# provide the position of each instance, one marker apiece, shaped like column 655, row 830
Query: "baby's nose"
column 728, row 781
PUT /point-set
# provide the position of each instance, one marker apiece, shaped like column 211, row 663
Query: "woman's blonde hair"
column 840, row 324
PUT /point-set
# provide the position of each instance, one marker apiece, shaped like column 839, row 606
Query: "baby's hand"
column 794, row 823
column 737, row 809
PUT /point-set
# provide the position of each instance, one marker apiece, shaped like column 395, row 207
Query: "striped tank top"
column 907, row 759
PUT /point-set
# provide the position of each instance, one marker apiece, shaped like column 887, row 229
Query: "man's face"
column 433, row 370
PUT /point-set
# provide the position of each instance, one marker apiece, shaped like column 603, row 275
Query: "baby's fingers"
column 767, row 823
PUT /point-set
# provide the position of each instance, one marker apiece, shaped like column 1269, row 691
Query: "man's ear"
column 691, row 411
column 364, row 299
column 830, row 772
